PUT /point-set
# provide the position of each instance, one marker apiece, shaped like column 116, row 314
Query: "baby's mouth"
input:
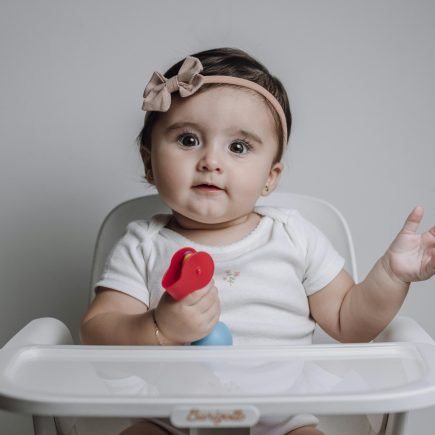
column 207, row 187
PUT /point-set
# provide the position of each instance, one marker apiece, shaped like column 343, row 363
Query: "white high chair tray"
column 170, row 381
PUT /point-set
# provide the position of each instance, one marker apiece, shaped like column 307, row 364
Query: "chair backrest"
column 322, row 214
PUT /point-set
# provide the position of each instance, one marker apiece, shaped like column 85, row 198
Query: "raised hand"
column 411, row 256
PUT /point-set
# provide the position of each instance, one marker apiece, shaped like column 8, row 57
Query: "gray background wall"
column 360, row 79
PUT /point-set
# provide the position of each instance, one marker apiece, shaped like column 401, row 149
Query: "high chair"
column 363, row 388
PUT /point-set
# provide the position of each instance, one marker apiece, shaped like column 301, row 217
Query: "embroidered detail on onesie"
column 230, row 276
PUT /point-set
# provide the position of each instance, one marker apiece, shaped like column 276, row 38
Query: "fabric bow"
column 157, row 94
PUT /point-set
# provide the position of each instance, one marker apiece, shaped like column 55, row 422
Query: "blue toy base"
column 219, row 336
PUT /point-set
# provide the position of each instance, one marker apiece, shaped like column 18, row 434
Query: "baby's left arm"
column 352, row 312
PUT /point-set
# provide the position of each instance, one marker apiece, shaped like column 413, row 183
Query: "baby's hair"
column 225, row 62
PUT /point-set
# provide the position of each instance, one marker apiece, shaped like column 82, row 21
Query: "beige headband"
column 157, row 94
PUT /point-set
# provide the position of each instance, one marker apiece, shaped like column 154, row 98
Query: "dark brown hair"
column 225, row 62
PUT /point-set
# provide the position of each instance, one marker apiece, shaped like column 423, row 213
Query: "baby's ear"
column 145, row 153
column 273, row 178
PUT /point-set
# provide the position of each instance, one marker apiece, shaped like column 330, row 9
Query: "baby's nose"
column 211, row 161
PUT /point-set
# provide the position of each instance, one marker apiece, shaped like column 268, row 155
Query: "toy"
column 188, row 271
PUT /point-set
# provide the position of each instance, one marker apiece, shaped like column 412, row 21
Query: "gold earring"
column 266, row 188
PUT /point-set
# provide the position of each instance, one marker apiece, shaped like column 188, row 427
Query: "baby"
column 216, row 128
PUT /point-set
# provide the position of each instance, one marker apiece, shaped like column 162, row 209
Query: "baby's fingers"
column 196, row 296
column 413, row 220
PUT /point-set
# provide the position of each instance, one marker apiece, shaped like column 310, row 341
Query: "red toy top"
column 189, row 271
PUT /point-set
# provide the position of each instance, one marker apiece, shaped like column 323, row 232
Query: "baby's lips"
column 189, row 271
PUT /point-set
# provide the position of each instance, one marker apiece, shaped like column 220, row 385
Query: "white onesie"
column 263, row 279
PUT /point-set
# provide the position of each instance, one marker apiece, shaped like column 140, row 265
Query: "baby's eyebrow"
column 250, row 135
column 178, row 125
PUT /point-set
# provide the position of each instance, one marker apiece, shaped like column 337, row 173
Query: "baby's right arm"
column 115, row 318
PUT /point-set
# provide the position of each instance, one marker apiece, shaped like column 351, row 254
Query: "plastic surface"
column 404, row 329
column 188, row 271
column 46, row 330
column 138, row 381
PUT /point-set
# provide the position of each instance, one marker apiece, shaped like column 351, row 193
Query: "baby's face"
column 213, row 154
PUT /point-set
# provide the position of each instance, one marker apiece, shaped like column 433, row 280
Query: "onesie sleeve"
column 125, row 268
column 322, row 262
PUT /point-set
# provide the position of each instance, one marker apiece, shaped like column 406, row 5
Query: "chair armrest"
column 404, row 329
column 43, row 331
column 400, row 329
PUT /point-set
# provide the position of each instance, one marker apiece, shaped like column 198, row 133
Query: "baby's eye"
column 239, row 147
column 188, row 140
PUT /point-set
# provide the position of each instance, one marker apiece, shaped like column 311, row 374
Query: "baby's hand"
column 411, row 256
column 190, row 318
